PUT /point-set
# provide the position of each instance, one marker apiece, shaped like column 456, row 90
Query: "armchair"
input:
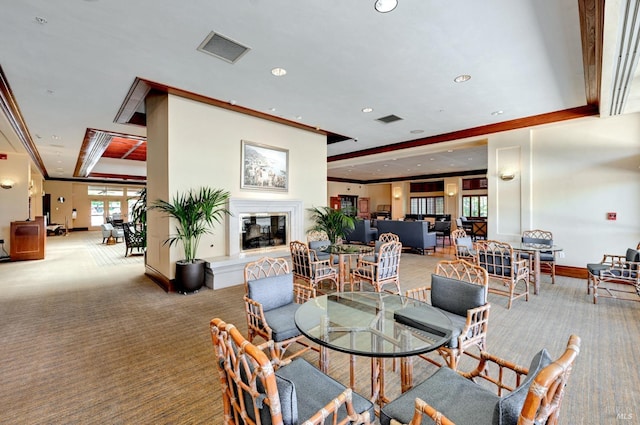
column 448, row 397
column 614, row 272
column 271, row 300
column 463, row 246
column 503, row 265
column 443, row 230
column 108, row 230
column 258, row 388
column 547, row 259
column 459, row 290
column 309, row 268
column 385, row 270
column 133, row 239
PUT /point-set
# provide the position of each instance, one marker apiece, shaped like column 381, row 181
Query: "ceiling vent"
column 222, row 47
column 389, row 119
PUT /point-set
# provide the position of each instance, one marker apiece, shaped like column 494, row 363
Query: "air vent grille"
column 389, row 119
column 223, row 47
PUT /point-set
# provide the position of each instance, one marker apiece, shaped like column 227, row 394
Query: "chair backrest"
column 317, row 235
column 463, row 270
column 389, row 260
column 264, row 267
column 541, row 237
column 458, row 286
column 544, row 398
column 459, row 233
column 247, row 377
column 496, row 258
column 388, row 237
column 301, row 259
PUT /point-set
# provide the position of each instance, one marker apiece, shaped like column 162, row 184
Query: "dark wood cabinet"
column 28, row 239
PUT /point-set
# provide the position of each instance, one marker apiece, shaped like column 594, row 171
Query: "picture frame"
column 264, row 167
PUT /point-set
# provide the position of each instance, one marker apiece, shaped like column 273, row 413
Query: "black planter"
column 189, row 276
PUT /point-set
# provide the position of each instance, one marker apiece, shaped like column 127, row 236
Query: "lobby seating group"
column 412, row 234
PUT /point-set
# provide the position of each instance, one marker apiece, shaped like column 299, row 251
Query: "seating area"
column 412, row 234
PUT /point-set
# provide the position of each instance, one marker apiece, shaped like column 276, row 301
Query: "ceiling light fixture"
column 7, row 184
column 279, row 72
column 495, row 113
column 462, row 78
column 384, row 6
column 41, row 20
column 416, row 131
column 367, row 110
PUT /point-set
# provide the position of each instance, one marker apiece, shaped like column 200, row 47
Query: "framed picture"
column 264, row 167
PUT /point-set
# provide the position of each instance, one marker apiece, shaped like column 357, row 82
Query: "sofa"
column 412, row 234
column 362, row 233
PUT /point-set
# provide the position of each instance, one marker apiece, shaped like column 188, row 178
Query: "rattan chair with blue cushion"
column 459, row 290
column 547, row 258
column 504, row 266
column 448, row 397
column 259, row 388
column 309, row 268
column 271, row 300
column 463, row 246
column 614, row 274
column 384, row 271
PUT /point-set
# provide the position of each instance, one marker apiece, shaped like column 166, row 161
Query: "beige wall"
column 203, row 145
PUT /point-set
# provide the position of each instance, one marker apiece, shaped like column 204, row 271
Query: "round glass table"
column 376, row 325
column 535, row 249
column 347, row 251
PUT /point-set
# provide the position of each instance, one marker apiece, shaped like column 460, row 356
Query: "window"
column 105, row 191
column 475, row 206
column 427, row 205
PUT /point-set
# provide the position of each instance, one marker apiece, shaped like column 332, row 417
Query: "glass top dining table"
column 344, row 251
column 376, row 325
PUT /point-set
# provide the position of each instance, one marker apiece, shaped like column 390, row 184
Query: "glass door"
column 97, row 213
column 101, row 210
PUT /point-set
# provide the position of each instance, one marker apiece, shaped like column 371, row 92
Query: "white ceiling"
column 524, row 58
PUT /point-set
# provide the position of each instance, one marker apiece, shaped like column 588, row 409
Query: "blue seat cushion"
column 281, row 322
column 459, row 399
column 508, row 407
column 313, row 390
column 457, row 324
column 273, row 291
column 596, row 268
column 456, row 296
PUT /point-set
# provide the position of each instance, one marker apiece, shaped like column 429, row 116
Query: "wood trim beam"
column 551, row 117
column 11, row 110
column 94, row 144
column 591, row 14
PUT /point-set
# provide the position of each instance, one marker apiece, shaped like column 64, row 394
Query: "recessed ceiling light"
column 232, row 101
column 386, row 165
column 431, row 159
column 41, row 20
column 298, row 117
column 54, row 137
column 272, row 109
column 416, row 131
column 450, row 150
column 462, row 78
column 494, row 113
column 279, row 72
column 384, row 6
column 418, row 165
column 367, row 110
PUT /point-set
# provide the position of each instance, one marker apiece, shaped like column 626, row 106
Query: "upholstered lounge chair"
column 448, row 397
column 258, row 388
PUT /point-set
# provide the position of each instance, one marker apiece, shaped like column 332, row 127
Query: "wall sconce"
column 7, row 183
column 451, row 190
column 397, row 192
column 507, row 176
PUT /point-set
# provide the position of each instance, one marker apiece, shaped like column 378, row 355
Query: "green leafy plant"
column 334, row 222
column 196, row 213
column 139, row 212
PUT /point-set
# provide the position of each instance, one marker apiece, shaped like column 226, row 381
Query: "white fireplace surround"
column 238, row 206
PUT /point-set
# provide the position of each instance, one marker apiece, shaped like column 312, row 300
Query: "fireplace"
column 263, row 230
column 257, row 226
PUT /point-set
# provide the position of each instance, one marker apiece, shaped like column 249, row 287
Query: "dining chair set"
column 262, row 385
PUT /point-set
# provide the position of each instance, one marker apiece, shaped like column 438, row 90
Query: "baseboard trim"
column 161, row 280
column 570, row 271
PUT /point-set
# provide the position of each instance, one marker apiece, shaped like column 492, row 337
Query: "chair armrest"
column 522, row 268
column 613, row 259
column 489, row 365
column 423, row 408
column 477, row 321
column 331, row 408
column 420, row 294
column 255, row 316
column 302, row 293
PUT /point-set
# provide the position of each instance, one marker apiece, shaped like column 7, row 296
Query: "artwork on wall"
column 264, row 167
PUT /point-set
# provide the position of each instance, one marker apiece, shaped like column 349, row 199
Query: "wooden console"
column 28, row 239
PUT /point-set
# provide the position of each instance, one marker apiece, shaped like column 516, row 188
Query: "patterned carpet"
column 84, row 342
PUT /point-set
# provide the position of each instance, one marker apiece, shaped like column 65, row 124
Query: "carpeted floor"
column 86, row 338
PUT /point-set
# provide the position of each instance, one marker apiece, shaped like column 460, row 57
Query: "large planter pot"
column 189, row 276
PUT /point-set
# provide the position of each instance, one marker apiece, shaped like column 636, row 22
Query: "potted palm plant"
column 196, row 212
column 334, row 222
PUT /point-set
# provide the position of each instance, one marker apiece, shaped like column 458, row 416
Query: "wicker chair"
column 385, row 270
column 318, row 240
column 459, row 289
column 547, row 259
column 463, row 246
column 503, row 265
column 615, row 273
column 258, row 388
column 271, row 300
column 382, row 239
column 309, row 268
column 449, row 397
